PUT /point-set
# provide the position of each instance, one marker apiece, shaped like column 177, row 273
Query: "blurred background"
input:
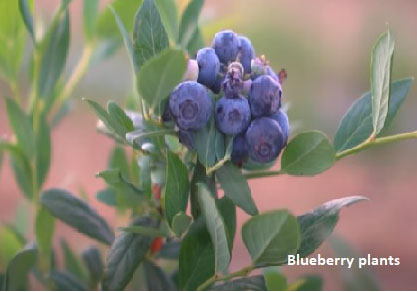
column 325, row 47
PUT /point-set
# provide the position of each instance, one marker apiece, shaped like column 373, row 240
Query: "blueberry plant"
column 202, row 122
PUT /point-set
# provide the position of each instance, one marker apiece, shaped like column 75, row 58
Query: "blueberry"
column 247, row 53
column 186, row 138
column 232, row 115
column 233, row 82
column 226, row 45
column 264, row 140
column 209, row 66
column 239, row 151
column 282, row 119
column 264, row 96
column 269, row 71
column 190, row 105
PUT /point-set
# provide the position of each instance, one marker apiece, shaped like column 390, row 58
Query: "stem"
column 216, row 278
column 262, row 173
column 218, row 165
column 376, row 141
column 76, row 75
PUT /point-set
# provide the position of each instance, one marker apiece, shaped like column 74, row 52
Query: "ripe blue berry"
column 209, row 66
column 282, row 119
column 232, row 115
column 264, row 140
column 265, row 96
column 239, row 151
column 226, row 45
column 190, row 105
column 247, row 53
column 269, row 71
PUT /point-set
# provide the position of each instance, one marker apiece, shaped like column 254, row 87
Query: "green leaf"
column 356, row 124
column 309, row 283
column 54, row 51
column 126, row 254
column 65, row 282
column 219, row 145
column 19, row 268
column 90, row 11
column 196, row 43
column 354, row 278
column 308, row 153
column 44, row 230
column 275, row 281
column 94, row 264
column 118, row 119
column 106, row 27
column 199, row 175
column 118, row 160
column 72, row 263
column 253, row 283
column 196, row 261
column 236, row 187
column 126, row 38
column 270, row 237
column 189, row 22
column 168, row 12
column 12, row 39
column 146, row 231
column 180, row 223
column 77, row 214
column 228, row 211
column 176, row 188
column 158, row 77
column 156, row 278
column 100, row 112
column 205, row 143
column 21, row 167
column 22, row 127
column 381, row 60
column 10, row 244
column 149, row 36
column 108, row 197
column 318, row 224
column 26, row 8
column 216, row 228
column 43, row 151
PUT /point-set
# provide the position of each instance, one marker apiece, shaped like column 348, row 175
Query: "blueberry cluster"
column 247, row 96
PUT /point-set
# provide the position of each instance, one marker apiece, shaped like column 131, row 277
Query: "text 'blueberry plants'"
column 195, row 126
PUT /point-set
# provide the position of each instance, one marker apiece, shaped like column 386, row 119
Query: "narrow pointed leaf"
column 22, row 127
column 381, row 60
column 308, row 153
column 149, row 36
column 236, row 188
column 158, row 77
column 356, row 125
column 216, row 228
column 168, row 12
column 196, row 261
column 156, row 278
column 126, row 254
column 177, row 187
column 18, row 269
column 66, row 282
column 253, row 283
column 270, row 237
column 43, row 151
column 189, row 22
column 318, row 224
column 77, row 214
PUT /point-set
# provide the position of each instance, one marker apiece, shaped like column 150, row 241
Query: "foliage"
column 151, row 177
